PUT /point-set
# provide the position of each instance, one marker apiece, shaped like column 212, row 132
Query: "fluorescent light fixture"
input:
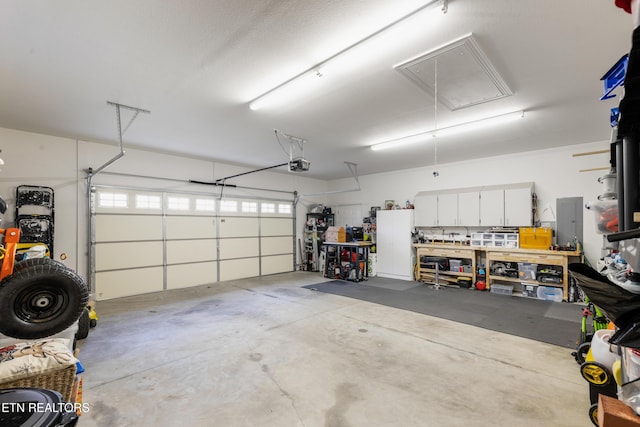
column 298, row 87
column 450, row 130
column 312, row 73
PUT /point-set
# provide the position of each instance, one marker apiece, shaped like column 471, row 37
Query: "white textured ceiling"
column 195, row 64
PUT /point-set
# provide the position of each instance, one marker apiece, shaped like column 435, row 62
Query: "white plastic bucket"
column 601, row 349
column 608, row 182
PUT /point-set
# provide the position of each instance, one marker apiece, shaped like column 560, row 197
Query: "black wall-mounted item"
column 35, row 214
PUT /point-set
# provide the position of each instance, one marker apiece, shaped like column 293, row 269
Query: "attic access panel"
column 465, row 76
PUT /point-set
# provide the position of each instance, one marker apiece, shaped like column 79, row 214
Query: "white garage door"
column 146, row 241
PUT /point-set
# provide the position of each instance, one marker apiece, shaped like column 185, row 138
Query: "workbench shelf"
column 527, row 281
column 558, row 259
column 446, row 273
column 467, row 254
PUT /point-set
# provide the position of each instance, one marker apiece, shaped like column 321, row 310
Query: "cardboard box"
column 615, row 413
column 335, row 235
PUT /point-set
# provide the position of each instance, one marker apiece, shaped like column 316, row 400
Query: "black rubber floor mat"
column 525, row 317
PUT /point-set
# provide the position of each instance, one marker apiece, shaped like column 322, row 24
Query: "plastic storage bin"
column 455, row 265
column 527, row 270
column 605, row 214
column 502, row 289
column 511, row 240
column 549, row 293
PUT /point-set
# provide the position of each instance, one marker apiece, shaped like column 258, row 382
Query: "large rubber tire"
column 41, row 300
column 83, row 325
column 29, row 262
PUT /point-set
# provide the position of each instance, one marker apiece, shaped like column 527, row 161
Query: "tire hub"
column 40, row 305
column 42, row 301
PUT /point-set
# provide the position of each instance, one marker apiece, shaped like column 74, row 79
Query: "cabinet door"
column 394, row 245
column 517, row 207
column 426, row 210
column 469, row 209
column 384, row 241
column 492, row 208
column 448, row 209
column 403, row 245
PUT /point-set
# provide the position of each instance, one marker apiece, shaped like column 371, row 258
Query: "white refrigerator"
column 394, row 244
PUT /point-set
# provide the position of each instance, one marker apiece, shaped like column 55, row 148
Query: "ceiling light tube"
column 450, row 130
column 257, row 102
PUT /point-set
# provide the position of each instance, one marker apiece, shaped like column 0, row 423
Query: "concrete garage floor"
column 265, row 352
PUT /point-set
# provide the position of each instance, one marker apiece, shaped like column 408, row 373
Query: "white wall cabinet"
column 469, row 208
column 426, row 210
column 517, row 207
column 448, row 209
column 494, row 206
column 394, row 244
column 508, row 207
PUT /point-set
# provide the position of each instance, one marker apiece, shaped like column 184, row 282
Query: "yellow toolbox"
column 536, row 238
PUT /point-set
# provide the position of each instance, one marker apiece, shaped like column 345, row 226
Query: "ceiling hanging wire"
column 435, row 119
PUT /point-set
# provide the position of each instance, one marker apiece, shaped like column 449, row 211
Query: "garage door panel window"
column 267, row 208
column 228, row 206
column 205, row 205
column 178, row 203
column 249, row 207
column 113, row 200
column 285, row 208
column 147, row 201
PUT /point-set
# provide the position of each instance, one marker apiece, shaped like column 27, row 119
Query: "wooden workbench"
column 497, row 254
column 534, row 256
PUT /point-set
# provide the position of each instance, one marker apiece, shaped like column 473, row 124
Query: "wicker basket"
column 61, row 380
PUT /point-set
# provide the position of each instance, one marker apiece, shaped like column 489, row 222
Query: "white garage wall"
column 35, row 159
column 556, row 174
